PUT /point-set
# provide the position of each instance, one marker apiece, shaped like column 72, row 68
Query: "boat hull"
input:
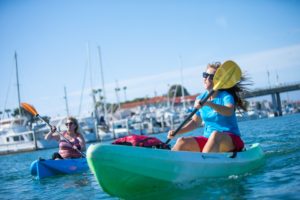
column 46, row 168
column 127, row 171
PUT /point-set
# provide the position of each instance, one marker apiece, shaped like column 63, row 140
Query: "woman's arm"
column 191, row 125
column 227, row 110
column 52, row 134
column 81, row 141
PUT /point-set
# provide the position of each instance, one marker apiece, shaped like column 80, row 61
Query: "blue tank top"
column 213, row 121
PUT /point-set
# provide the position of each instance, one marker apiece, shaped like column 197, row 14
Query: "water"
column 279, row 178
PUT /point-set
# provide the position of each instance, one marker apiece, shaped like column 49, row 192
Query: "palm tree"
column 176, row 89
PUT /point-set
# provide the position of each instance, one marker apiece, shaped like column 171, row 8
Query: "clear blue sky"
column 144, row 44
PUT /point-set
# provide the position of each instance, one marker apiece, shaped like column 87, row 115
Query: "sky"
column 145, row 46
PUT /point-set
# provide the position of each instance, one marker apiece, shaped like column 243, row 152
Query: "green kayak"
column 127, row 171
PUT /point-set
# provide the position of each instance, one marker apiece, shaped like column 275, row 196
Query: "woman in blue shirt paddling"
column 221, row 132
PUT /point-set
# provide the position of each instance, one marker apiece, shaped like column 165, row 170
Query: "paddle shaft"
column 191, row 115
column 83, row 155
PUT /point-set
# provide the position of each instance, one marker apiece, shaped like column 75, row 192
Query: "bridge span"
column 275, row 94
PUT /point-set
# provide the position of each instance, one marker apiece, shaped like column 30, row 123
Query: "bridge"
column 275, row 93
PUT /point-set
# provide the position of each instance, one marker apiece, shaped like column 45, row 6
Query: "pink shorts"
column 237, row 141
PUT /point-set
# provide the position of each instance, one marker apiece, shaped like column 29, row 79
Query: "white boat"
column 104, row 134
column 120, row 128
column 116, row 129
column 88, row 128
column 15, row 136
column 147, row 126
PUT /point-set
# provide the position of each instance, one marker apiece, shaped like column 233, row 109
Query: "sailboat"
column 15, row 135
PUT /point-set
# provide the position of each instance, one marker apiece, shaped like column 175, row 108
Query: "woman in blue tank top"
column 221, row 132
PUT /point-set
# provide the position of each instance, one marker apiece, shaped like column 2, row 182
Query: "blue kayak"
column 45, row 168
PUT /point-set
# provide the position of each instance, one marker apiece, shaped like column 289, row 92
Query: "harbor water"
column 278, row 178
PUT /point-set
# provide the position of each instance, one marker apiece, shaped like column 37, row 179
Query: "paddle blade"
column 29, row 108
column 227, row 75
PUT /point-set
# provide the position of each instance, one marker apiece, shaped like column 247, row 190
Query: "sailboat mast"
column 18, row 85
column 182, row 88
column 103, row 86
column 66, row 100
column 91, row 81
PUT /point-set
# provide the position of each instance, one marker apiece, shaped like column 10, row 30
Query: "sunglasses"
column 207, row 75
column 69, row 123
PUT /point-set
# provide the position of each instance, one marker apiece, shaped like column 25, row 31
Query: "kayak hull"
column 127, row 171
column 46, row 168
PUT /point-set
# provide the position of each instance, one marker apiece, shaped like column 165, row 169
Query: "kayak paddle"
column 226, row 76
column 33, row 111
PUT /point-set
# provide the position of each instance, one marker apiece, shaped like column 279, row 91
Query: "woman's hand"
column 171, row 134
column 51, row 134
column 53, row 129
column 75, row 147
column 197, row 104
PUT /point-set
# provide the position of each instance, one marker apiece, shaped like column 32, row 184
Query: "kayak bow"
column 45, row 168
